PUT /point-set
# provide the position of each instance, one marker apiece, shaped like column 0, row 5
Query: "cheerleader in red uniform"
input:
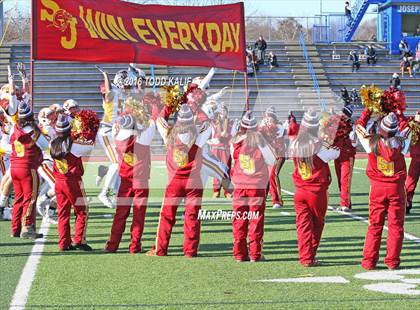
column 273, row 131
column 251, row 156
column 345, row 162
column 386, row 171
column 184, row 142
column 311, row 177
column 27, row 146
column 133, row 150
column 220, row 147
column 414, row 170
column 68, row 172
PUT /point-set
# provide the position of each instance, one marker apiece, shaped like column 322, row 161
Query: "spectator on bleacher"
column 355, row 61
column 251, row 62
column 260, row 46
column 406, row 65
column 272, row 60
column 417, row 32
column 370, row 53
column 345, row 96
column 347, row 13
column 355, row 98
column 395, row 81
column 404, row 49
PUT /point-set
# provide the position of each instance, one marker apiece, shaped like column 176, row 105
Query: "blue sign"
column 409, row 9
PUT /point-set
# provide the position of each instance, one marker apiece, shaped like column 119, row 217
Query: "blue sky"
column 263, row 7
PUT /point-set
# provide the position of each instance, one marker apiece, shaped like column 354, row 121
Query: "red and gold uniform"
column 184, row 182
column 133, row 150
column 25, row 159
column 386, row 170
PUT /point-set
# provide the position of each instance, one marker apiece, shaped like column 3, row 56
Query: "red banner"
column 117, row 31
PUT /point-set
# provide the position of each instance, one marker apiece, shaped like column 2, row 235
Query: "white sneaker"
column 277, row 206
column 7, row 214
column 105, row 200
column 41, row 204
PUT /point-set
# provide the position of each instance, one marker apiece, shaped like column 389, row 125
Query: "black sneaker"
column 69, row 248
column 83, row 247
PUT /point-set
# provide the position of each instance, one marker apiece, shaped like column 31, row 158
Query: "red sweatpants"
column 311, row 208
column 245, row 201
column 275, row 186
column 344, row 172
column 26, row 185
column 129, row 196
column 224, row 156
column 70, row 192
column 386, row 200
column 176, row 190
column 412, row 178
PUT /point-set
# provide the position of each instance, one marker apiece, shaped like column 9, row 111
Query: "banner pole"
column 152, row 71
column 246, row 91
column 32, row 67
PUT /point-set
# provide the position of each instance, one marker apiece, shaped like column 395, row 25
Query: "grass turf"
column 213, row 280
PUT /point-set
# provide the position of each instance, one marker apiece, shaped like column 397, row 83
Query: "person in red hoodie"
column 345, row 162
column 251, row 156
column 184, row 141
column 273, row 132
column 68, row 172
column 387, row 173
column 414, row 169
column 27, row 146
column 312, row 178
column 132, row 143
column 293, row 127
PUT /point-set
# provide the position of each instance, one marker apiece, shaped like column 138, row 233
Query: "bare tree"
column 366, row 30
column 18, row 25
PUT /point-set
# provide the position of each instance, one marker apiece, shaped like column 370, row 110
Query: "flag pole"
column 32, row 66
column 246, row 91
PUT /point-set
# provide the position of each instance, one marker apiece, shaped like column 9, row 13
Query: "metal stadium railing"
column 311, row 71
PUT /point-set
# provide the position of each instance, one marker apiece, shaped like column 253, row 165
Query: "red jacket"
column 134, row 161
column 70, row 167
column 347, row 150
column 249, row 170
column 388, row 167
column 316, row 178
column 183, row 162
column 25, row 153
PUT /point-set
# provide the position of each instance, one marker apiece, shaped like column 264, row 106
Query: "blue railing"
column 311, row 71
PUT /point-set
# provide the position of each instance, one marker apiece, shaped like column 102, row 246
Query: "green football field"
column 94, row 280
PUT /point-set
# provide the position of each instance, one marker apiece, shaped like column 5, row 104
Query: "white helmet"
column 43, row 116
column 70, row 103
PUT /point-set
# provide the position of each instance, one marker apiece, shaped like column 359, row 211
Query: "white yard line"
column 23, row 288
column 362, row 219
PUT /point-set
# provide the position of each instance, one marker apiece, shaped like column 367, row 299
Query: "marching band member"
column 184, row 142
column 311, row 177
column 414, row 169
column 273, row 132
column 387, row 173
column 133, row 148
column 68, row 172
column 251, row 157
column 27, row 146
column 345, row 162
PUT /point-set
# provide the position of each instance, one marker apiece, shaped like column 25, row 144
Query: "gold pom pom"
column 415, row 130
column 138, row 110
column 371, row 98
column 174, row 97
